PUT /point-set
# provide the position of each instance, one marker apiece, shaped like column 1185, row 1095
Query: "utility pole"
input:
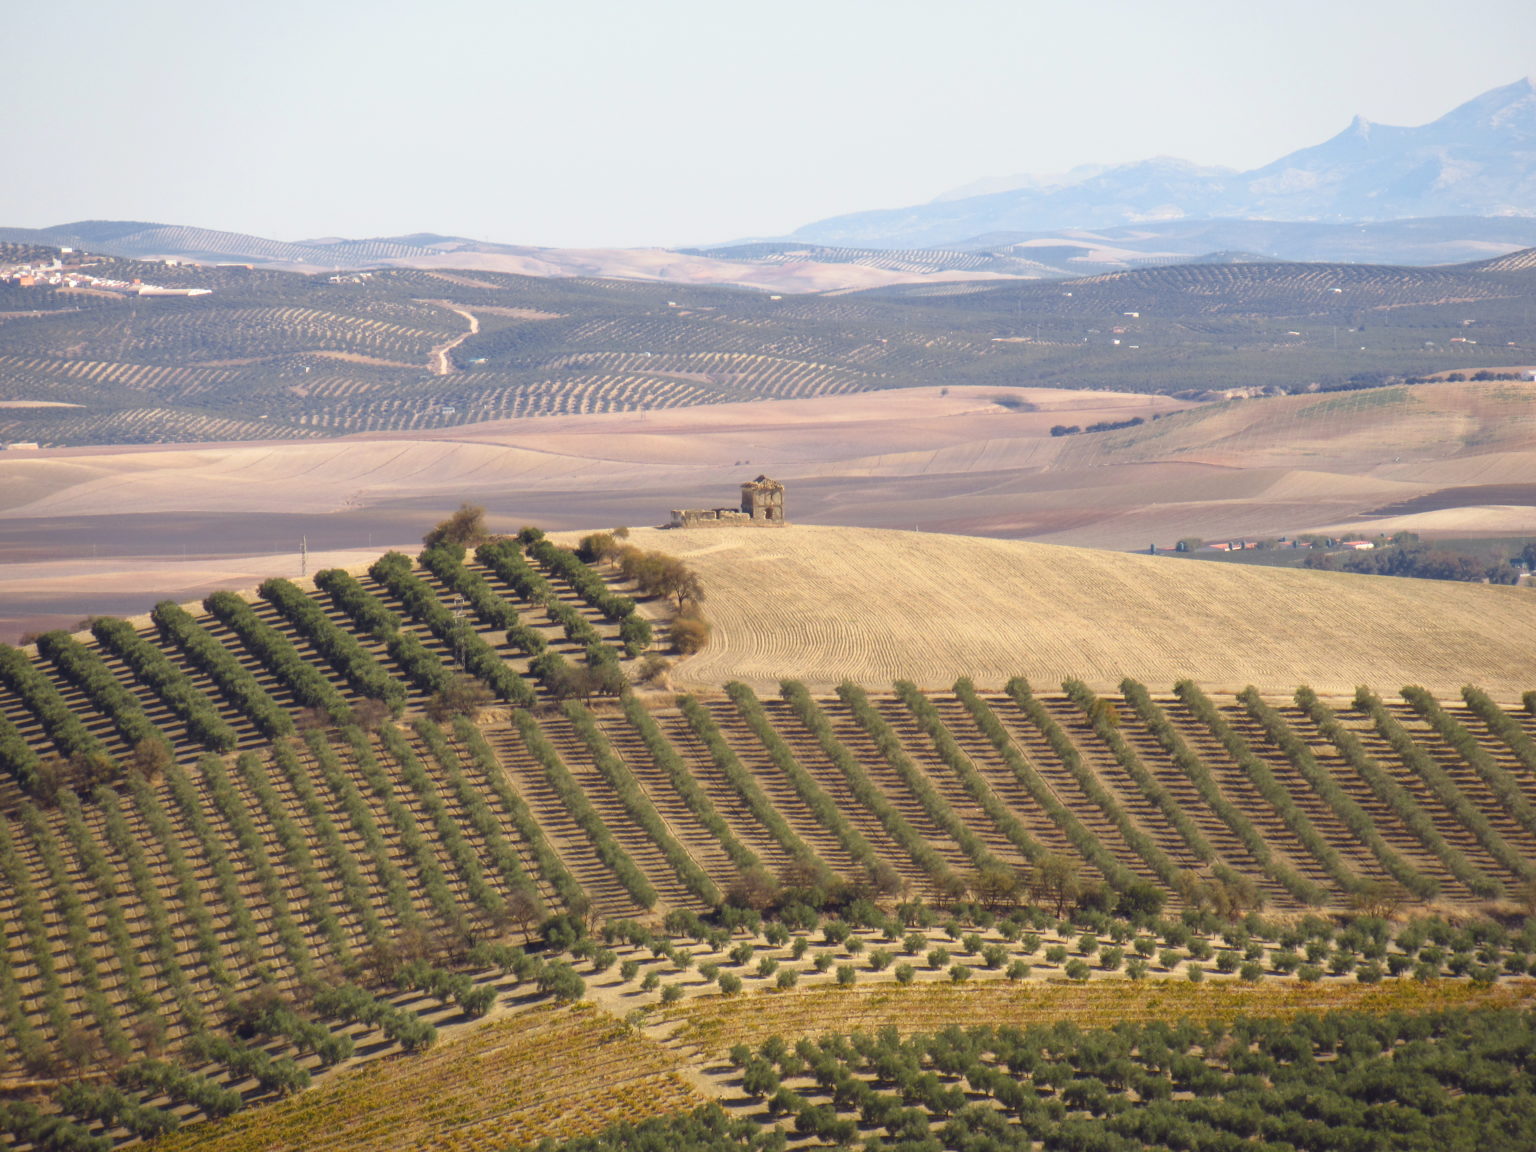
column 303, row 556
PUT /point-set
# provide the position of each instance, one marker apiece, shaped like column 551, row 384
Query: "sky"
column 599, row 123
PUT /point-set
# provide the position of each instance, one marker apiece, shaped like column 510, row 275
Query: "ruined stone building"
column 762, row 505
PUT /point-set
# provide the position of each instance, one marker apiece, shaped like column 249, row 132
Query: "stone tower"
column 763, row 499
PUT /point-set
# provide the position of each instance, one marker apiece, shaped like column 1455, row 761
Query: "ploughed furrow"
column 1357, row 856
column 136, row 924
column 632, row 837
column 1523, row 773
column 858, row 741
column 474, row 776
column 429, row 641
column 727, row 801
column 811, row 756
column 275, row 688
column 1114, row 779
column 775, row 785
column 920, row 749
column 1243, row 794
column 159, row 713
column 1388, row 823
column 245, row 730
column 1038, row 751
column 609, row 897
column 426, row 825
column 300, row 905
column 352, row 837
column 1469, row 779
column 1160, row 764
column 1454, row 832
column 304, row 647
column 699, row 842
column 999, row 776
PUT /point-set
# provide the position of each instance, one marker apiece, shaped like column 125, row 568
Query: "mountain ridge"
column 1478, row 159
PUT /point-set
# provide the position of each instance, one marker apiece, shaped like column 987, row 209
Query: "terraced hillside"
column 274, row 355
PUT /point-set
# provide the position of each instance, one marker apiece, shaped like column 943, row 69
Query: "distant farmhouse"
column 762, row 505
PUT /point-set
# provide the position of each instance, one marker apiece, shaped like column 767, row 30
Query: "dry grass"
column 548, row 1072
column 714, row 1024
column 827, row 604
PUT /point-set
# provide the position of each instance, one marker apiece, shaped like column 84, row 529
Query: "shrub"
column 904, row 973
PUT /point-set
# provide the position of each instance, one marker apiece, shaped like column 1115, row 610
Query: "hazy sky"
column 626, row 122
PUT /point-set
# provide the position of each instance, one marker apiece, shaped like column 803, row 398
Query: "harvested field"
column 545, row 1072
column 828, row 604
column 716, row 1023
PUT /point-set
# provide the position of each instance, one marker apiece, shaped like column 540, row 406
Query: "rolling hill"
column 301, row 883
column 825, row 604
column 277, row 355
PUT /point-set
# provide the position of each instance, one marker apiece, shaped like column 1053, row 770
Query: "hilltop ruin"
column 762, row 505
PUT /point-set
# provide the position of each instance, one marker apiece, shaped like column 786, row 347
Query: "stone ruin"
column 762, row 506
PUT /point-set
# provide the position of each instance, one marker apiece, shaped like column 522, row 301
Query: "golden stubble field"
column 115, row 529
column 827, row 604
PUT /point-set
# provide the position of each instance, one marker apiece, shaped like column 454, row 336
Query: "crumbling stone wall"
column 762, row 505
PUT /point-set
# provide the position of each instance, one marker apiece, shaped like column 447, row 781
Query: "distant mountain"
column 1477, row 160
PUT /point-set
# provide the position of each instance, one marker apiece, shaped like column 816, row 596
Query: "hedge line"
column 85, row 669
column 393, row 570
column 666, row 758
column 551, row 867
column 1394, row 795
column 1199, row 773
column 1275, row 793
column 822, row 806
column 339, row 647
column 1444, row 788
column 170, row 683
column 866, row 792
column 42, row 699
column 1088, row 845
column 1320, row 780
column 916, row 780
column 586, row 583
column 571, row 794
column 763, row 810
column 276, row 653
column 234, row 680
column 949, row 751
column 639, row 805
column 368, row 612
column 1504, row 786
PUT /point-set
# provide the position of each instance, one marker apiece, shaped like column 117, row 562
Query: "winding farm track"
column 442, row 365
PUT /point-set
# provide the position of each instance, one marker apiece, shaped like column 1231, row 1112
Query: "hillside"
column 271, row 354
column 312, row 873
column 825, row 604
column 116, row 528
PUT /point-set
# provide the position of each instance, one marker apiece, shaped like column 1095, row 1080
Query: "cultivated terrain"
column 270, row 840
